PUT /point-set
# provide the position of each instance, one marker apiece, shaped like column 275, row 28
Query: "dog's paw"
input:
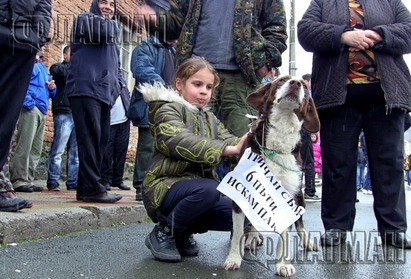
column 232, row 262
column 285, row 270
column 308, row 245
column 253, row 240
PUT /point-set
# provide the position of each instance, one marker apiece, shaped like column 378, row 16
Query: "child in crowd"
column 180, row 185
column 317, row 154
column 407, row 170
column 361, row 165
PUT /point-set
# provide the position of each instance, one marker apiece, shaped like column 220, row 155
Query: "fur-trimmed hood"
column 159, row 93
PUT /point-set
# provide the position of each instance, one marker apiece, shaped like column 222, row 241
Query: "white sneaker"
column 367, row 192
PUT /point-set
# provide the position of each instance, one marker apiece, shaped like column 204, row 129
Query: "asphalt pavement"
column 116, row 249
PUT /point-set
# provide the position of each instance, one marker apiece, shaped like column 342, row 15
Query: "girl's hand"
column 235, row 150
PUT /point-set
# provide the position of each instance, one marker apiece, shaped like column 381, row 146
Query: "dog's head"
column 287, row 91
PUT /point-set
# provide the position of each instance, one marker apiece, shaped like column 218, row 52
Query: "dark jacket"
column 60, row 102
column 25, row 31
column 259, row 27
column 147, row 65
column 124, row 92
column 319, row 31
column 94, row 63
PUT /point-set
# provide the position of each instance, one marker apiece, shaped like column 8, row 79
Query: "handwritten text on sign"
column 260, row 196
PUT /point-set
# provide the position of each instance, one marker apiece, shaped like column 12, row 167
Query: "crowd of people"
column 189, row 105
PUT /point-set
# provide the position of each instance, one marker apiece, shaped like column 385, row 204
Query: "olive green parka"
column 188, row 143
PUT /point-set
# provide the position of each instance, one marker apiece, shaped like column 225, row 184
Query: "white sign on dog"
column 260, row 196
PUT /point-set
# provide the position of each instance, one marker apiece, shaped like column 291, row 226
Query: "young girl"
column 317, row 154
column 407, row 169
column 180, row 184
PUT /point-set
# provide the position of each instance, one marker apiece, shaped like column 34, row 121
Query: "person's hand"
column 369, row 34
column 235, row 150
column 50, row 84
column 240, row 144
column 357, row 40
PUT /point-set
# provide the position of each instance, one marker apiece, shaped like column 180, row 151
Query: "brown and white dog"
column 284, row 107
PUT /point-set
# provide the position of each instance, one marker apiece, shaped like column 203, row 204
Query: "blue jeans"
column 64, row 134
column 360, row 175
column 408, row 176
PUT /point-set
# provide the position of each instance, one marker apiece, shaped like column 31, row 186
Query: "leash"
column 271, row 154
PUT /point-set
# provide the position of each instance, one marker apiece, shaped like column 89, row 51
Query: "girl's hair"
column 191, row 66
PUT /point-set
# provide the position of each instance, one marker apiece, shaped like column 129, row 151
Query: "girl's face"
column 313, row 137
column 198, row 88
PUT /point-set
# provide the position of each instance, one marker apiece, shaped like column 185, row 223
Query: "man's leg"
column 120, row 152
column 72, row 158
column 16, row 67
column 37, row 146
column 107, row 163
column 86, row 115
column 231, row 95
column 340, row 130
column 63, row 125
column 20, row 161
column 386, row 159
column 144, row 154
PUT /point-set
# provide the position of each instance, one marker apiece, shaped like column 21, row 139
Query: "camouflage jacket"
column 259, row 32
column 188, row 143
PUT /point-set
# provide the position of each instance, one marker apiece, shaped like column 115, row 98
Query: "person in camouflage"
column 242, row 48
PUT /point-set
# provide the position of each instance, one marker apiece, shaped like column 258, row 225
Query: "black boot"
column 186, row 244
column 162, row 244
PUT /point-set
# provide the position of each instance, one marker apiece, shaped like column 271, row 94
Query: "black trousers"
column 198, row 206
column 112, row 168
column 92, row 123
column 384, row 136
column 16, row 66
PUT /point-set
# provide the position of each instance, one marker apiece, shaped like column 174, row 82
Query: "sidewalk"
column 58, row 212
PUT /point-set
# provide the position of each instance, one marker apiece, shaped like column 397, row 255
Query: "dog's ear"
column 311, row 120
column 308, row 113
column 257, row 98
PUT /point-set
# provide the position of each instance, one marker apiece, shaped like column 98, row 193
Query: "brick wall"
column 63, row 14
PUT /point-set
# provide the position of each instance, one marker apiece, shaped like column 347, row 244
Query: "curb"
column 44, row 223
